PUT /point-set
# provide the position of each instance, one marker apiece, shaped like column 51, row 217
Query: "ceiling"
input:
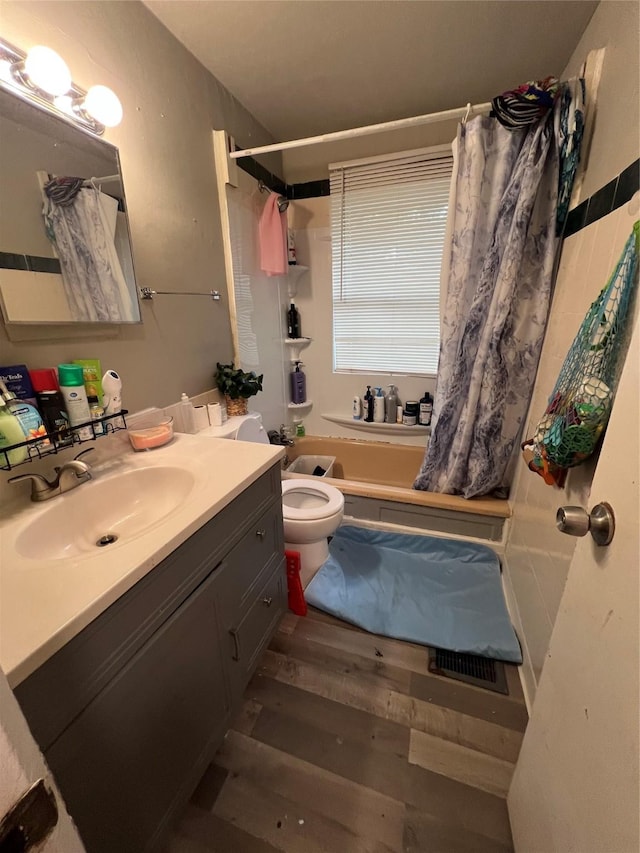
column 304, row 67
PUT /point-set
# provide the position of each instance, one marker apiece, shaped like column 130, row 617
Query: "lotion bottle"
column 298, row 385
column 186, row 415
column 378, row 406
column 357, row 408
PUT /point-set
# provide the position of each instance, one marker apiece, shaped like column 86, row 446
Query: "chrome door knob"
column 576, row 521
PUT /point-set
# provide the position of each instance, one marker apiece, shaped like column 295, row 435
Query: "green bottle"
column 10, row 433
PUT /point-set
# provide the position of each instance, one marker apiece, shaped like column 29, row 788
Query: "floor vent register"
column 472, row 669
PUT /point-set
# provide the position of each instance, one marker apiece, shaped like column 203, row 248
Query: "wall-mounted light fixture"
column 42, row 76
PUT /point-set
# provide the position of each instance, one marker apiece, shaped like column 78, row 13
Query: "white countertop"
column 45, row 603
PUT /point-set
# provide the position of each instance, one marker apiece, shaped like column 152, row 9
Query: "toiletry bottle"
column 112, row 390
column 10, row 433
column 97, row 412
column 426, row 409
column 27, row 416
column 368, row 405
column 357, row 408
column 391, row 405
column 51, row 405
column 291, row 247
column 293, row 322
column 91, row 371
column 378, row 406
column 399, row 414
column 298, row 384
column 186, row 415
column 300, row 430
column 75, row 398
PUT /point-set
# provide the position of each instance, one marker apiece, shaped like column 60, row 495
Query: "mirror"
column 87, row 274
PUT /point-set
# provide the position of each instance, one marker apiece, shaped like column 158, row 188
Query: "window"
column 388, row 222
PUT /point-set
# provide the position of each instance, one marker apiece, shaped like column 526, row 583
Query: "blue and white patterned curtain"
column 498, row 288
column 92, row 275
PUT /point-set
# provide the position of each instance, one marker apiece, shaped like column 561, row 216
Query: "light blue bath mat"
column 439, row 592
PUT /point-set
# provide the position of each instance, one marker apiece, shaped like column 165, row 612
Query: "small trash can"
column 320, row 466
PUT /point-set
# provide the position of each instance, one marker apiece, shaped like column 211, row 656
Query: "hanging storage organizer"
column 581, row 401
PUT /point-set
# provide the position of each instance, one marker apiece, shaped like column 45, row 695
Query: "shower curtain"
column 92, row 276
column 500, row 270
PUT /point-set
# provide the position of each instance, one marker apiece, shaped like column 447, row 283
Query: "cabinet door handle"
column 268, row 601
column 236, row 644
column 261, row 533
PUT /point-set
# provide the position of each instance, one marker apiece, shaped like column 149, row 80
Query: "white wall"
column 171, row 105
column 538, row 557
column 614, row 146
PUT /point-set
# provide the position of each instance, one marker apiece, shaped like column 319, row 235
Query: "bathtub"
column 376, row 479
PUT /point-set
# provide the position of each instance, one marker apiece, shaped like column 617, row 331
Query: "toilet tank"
column 251, row 429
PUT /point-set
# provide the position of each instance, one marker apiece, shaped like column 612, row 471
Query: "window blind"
column 388, row 221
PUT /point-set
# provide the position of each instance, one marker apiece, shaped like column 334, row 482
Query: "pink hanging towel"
column 272, row 233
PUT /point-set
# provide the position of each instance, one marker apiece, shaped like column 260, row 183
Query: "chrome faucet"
column 68, row 476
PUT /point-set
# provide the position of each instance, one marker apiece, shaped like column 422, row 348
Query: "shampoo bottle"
column 426, row 410
column 298, row 385
column 357, row 408
column 392, row 405
column 75, row 398
column 378, row 406
column 10, row 433
column 293, row 322
column 368, row 405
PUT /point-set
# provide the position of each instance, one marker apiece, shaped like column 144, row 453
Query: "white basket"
column 308, row 464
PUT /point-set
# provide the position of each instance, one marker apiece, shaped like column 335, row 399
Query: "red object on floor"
column 294, row 585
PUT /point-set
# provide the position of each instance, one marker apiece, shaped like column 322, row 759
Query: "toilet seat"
column 328, row 500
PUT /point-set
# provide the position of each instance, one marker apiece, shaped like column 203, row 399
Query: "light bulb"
column 103, row 105
column 47, row 71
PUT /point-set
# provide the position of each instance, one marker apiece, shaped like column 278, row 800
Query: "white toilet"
column 312, row 510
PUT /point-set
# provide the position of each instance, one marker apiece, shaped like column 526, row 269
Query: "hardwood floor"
column 347, row 744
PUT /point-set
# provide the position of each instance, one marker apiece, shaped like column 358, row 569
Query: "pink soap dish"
column 143, row 437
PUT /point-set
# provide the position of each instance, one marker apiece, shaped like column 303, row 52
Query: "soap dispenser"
column 298, row 384
column 368, row 405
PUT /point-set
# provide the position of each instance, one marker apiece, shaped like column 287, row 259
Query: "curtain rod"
column 399, row 124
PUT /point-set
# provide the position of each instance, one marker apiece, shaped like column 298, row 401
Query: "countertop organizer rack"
column 36, row 450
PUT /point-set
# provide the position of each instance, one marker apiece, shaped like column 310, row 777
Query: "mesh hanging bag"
column 581, row 401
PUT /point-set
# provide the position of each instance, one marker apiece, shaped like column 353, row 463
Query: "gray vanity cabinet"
column 130, row 712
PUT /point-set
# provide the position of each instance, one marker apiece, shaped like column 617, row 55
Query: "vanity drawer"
column 248, row 638
column 243, row 571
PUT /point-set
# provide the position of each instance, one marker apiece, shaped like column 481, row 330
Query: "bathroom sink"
column 104, row 512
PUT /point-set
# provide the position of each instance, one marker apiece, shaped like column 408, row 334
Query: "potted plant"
column 237, row 386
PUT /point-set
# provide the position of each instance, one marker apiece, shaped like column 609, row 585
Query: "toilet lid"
column 308, row 499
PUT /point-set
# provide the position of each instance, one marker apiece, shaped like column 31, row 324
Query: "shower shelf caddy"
column 112, row 424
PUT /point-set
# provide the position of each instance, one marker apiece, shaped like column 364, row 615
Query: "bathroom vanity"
column 132, row 708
